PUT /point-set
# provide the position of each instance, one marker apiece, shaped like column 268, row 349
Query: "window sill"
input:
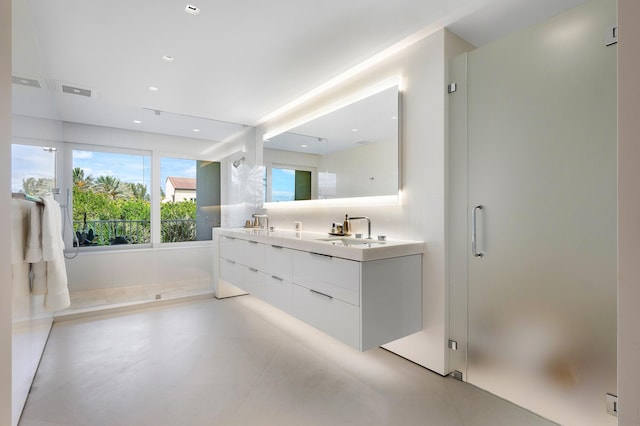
column 137, row 248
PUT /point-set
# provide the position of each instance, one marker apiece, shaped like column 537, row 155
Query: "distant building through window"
column 190, row 202
column 180, row 189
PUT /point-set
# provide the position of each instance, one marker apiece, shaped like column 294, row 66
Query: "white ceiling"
column 236, row 62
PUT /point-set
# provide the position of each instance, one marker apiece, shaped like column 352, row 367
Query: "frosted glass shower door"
column 541, row 147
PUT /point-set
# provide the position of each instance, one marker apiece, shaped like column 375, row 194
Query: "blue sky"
column 131, row 168
column 33, row 161
column 282, row 184
column 127, row 168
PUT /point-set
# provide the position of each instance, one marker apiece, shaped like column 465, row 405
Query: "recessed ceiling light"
column 304, row 146
column 354, row 130
column 168, row 58
column 196, row 130
column 153, row 88
column 395, row 117
column 137, row 121
column 192, row 10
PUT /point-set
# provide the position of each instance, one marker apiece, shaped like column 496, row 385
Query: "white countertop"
column 349, row 248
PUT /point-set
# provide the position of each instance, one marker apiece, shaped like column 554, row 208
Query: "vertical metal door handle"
column 474, row 229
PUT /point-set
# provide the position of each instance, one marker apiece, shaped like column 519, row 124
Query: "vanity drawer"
column 248, row 253
column 232, row 272
column 339, row 319
column 230, row 248
column 251, row 254
column 253, row 282
column 278, row 292
column 339, row 278
column 279, row 261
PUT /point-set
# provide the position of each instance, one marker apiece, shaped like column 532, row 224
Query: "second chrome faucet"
column 368, row 224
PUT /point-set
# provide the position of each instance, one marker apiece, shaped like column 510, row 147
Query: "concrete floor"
column 241, row 362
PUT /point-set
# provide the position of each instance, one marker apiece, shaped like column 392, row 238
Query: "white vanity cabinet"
column 364, row 304
column 278, row 266
column 240, row 262
column 279, row 261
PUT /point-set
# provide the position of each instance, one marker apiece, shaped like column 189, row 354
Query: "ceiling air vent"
column 76, row 91
column 24, row 81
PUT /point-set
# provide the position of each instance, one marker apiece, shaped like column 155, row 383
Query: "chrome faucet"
column 368, row 224
column 262, row 216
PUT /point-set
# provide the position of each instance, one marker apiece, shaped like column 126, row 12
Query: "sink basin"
column 342, row 241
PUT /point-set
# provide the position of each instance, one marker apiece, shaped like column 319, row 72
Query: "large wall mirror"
column 352, row 151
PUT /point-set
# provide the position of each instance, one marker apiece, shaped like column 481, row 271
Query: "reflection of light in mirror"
column 327, row 185
column 382, row 200
column 355, row 97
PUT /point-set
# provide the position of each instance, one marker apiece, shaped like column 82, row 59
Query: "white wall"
column 241, row 187
column 5, row 211
column 133, row 267
column 628, row 213
column 420, row 214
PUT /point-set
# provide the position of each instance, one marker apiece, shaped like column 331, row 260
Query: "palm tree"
column 138, row 191
column 112, row 186
column 81, row 181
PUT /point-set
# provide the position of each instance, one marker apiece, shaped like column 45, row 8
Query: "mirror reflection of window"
column 290, row 184
column 327, row 185
column 33, row 169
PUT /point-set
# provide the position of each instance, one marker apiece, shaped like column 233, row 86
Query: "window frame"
column 70, row 147
column 65, row 168
column 156, row 237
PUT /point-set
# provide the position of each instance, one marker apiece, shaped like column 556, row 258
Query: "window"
column 33, row 169
column 290, row 184
column 190, row 202
column 111, row 199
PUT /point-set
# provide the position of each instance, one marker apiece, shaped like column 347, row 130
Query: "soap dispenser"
column 346, row 226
